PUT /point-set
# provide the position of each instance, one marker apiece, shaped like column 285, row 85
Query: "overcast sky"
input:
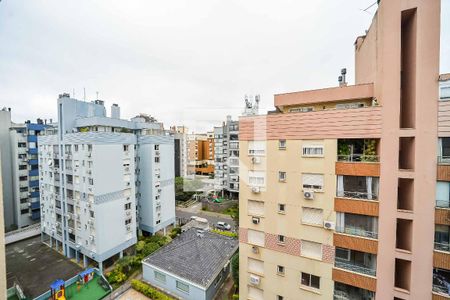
column 185, row 62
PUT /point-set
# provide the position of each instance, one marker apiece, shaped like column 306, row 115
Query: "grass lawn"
column 90, row 291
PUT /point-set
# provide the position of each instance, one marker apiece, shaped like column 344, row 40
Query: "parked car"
column 223, row 226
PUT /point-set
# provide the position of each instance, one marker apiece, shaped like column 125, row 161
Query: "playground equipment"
column 86, row 276
column 58, row 290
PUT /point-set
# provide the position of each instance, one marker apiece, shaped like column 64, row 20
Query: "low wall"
column 218, row 207
column 22, row 234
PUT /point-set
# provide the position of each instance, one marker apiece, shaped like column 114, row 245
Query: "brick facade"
column 291, row 245
column 243, row 235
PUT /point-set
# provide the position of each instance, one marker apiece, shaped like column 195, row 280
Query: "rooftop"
column 194, row 257
column 333, row 94
column 35, row 266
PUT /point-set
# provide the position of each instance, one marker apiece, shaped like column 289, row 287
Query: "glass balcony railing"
column 357, row 195
column 347, row 265
column 442, row 246
column 443, row 160
column 443, row 203
column 358, row 158
column 357, row 231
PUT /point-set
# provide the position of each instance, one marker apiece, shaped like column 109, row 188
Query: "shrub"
column 235, row 269
column 235, row 297
column 174, row 232
column 149, row 291
column 225, row 233
column 140, row 245
column 149, row 248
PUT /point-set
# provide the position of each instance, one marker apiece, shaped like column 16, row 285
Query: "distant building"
column 102, row 179
column 193, row 266
column 179, row 134
column 226, row 158
column 20, row 169
column 2, row 245
column 200, row 149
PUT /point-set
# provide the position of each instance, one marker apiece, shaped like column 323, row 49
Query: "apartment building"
column 200, row 153
column 102, row 179
column 20, row 145
column 226, row 158
column 337, row 186
column 179, row 134
column 2, row 245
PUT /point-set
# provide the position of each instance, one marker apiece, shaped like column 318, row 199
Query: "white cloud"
column 184, row 61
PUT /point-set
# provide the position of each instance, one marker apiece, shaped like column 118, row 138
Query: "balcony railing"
column 443, row 160
column 357, row 231
column 442, row 288
column 443, row 203
column 442, row 246
column 357, row 195
column 346, row 265
column 358, row 158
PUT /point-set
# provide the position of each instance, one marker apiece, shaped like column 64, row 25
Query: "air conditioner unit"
column 128, row 228
column 255, row 249
column 70, row 230
column 255, row 220
column 91, row 237
column 328, row 225
column 256, row 160
column 308, row 195
column 254, row 279
column 256, row 189
column 128, row 213
column 68, row 216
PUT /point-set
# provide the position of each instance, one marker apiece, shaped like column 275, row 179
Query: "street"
column 186, row 213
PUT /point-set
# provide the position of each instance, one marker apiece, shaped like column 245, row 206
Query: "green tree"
column 235, row 269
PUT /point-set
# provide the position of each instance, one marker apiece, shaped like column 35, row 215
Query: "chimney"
column 115, row 111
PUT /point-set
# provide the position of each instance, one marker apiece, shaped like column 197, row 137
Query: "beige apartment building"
column 341, row 193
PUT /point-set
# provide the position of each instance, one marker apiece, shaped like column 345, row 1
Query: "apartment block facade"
column 226, row 158
column 19, row 142
column 179, row 134
column 200, row 153
column 102, row 179
column 337, row 186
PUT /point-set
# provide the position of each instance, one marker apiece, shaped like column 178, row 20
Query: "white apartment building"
column 20, row 170
column 226, row 157
column 102, row 179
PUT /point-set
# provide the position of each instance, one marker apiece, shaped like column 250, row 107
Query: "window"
column 282, row 176
column 282, row 144
column 160, row 277
column 76, row 148
column 255, row 266
column 349, row 105
column 313, row 150
column 256, row 148
column 301, row 109
column 256, row 237
column 156, row 147
column 182, row 286
column 312, row 216
column 89, row 147
column 310, row 280
column 256, row 178
column 280, row 297
column 342, row 254
column 91, row 213
column 127, row 206
column 445, row 93
column 127, row 221
column 157, row 159
column 23, row 211
column 281, row 239
column 281, row 208
column 280, row 270
column 255, row 208
column 126, row 148
column 312, row 181
column 311, row 249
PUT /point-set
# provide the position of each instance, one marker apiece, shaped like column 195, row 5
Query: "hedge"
column 225, row 233
column 149, row 291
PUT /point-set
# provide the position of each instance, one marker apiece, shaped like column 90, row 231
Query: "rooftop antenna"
column 84, row 92
column 369, row 7
column 97, row 95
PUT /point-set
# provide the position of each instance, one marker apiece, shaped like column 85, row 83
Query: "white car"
column 223, row 226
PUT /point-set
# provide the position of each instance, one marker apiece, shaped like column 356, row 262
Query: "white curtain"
column 340, row 186
column 369, row 187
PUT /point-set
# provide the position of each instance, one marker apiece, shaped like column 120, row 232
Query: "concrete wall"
column 6, row 168
column 195, row 291
column 2, row 245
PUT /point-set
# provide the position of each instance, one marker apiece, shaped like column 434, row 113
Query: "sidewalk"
column 217, row 215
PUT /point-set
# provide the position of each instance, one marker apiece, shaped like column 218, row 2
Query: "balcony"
column 356, row 261
column 358, row 225
column 441, row 282
column 357, row 187
column 343, row 291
